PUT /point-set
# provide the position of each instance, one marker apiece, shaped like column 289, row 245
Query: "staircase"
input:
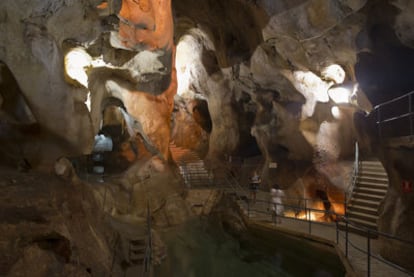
column 370, row 188
column 136, row 251
column 191, row 167
column 136, row 264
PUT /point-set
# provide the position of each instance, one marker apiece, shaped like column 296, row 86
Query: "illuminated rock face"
column 149, row 25
column 262, row 67
column 146, row 22
column 141, row 56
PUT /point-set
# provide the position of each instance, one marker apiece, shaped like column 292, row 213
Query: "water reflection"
column 202, row 248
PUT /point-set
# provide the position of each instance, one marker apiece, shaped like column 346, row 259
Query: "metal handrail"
column 409, row 114
column 344, row 219
column 393, row 100
column 354, row 176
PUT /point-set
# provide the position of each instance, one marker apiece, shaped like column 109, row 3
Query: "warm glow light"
column 336, row 112
column 334, row 73
column 340, row 95
column 76, row 60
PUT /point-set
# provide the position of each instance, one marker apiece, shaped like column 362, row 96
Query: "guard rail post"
column 275, row 212
column 308, row 212
column 379, row 122
column 368, row 254
column 346, row 237
column 337, row 231
column 410, row 112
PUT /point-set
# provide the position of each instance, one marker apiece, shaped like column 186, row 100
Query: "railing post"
column 368, row 254
column 337, row 231
column 309, row 217
column 410, row 107
column 346, row 237
column 379, row 122
column 345, row 204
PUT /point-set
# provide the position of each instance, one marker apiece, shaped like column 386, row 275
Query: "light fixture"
column 76, row 62
column 334, row 73
column 336, row 112
column 343, row 94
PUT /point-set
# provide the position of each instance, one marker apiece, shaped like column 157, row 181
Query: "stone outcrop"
column 51, row 227
column 289, row 81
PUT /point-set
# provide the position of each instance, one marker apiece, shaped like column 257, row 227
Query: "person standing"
column 276, row 208
column 254, row 186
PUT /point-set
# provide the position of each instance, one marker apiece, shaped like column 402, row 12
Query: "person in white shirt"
column 276, row 205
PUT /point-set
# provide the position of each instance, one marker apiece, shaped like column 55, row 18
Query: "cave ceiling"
column 281, row 79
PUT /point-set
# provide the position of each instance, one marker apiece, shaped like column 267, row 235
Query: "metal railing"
column 397, row 109
column 336, row 222
column 148, row 249
column 354, row 176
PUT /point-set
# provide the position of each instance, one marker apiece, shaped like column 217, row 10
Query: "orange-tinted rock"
column 147, row 23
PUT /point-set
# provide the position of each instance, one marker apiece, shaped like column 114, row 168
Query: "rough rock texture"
column 51, row 227
column 253, row 79
column 31, row 47
column 148, row 183
column 397, row 213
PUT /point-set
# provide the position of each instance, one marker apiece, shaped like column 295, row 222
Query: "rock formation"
column 285, row 83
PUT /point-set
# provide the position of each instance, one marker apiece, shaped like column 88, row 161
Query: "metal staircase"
column 369, row 190
column 191, row 167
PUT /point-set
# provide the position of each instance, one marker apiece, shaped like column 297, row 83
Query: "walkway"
column 324, row 231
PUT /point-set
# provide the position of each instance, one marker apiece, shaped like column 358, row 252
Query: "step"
column 368, row 195
column 137, row 260
column 363, row 209
column 370, row 191
column 363, row 223
column 372, row 170
column 383, row 188
column 371, row 166
column 378, row 177
column 371, row 163
column 362, row 216
column 364, row 203
column 371, row 183
column 197, row 176
column 138, row 251
column 342, row 226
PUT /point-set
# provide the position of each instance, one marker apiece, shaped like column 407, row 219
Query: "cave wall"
column 397, row 209
column 260, row 66
column 31, row 47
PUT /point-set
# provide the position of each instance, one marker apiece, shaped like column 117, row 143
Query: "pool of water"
column 201, row 248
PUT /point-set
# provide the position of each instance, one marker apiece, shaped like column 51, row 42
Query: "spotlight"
column 342, row 94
